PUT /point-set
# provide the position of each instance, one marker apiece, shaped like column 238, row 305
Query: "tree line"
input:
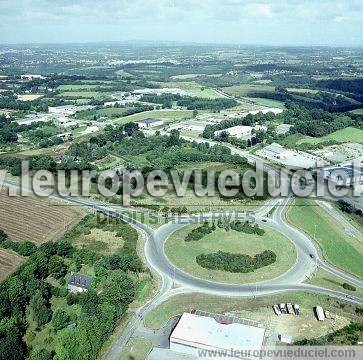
column 235, row 263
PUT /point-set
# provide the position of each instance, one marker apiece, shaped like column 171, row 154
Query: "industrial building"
column 198, row 331
column 344, row 174
column 290, row 158
column 238, row 131
column 150, row 123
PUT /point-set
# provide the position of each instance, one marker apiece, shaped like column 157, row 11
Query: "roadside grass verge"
column 337, row 246
column 136, row 349
column 324, row 279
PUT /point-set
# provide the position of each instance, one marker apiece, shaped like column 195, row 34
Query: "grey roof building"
column 79, row 282
column 150, row 122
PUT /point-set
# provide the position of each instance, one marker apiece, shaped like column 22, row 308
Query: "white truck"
column 297, row 309
column 319, row 313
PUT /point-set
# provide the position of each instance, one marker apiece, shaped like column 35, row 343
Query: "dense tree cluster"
column 352, row 86
column 236, row 263
column 24, row 248
column 195, row 103
column 201, row 231
column 348, row 335
column 349, row 287
column 9, row 129
column 317, row 122
column 36, row 162
column 165, row 100
column 246, row 227
column 349, row 208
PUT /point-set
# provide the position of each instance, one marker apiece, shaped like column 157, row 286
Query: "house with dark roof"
column 79, row 282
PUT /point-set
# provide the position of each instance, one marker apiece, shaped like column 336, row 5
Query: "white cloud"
column 196, row 19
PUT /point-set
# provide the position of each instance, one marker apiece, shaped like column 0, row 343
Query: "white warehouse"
column 195, row 333
column 238, row 131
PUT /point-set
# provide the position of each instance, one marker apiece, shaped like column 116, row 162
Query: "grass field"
column 97, row 95
column 9, row 262
column 80, row 87
column 136, row 349
column 35, row 219
column 103, row 242
column 29, row 97
column 336, row 245
column 324, row 279
column 268, row 102
column 192, row 88
column 260, row 309
column 183, row 254
column 167, row 115
column 245, row 89
column 302, row 90
column 348, row 134
column 357, row 111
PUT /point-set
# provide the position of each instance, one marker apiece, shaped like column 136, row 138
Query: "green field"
column 98, row 95
column 182, row 254
column 336, row 245
column 349, row 134
column 192, row 88
column 324, row 279
column 357, row 111
column 244, row 89
column 268, row 102
column 166, row 115
column 80, row 87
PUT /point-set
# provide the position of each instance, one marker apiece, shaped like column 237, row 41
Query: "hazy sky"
column 270, row 22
